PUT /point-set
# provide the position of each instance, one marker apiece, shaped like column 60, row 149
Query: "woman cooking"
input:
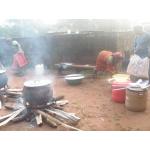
column 108, row 61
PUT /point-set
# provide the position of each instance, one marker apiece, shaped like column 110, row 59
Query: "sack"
column 138, row 67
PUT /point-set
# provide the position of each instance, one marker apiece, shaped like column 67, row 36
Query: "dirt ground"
column 91, row 101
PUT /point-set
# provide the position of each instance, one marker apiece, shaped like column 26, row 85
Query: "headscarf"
column 117, row 55
column 15, row 43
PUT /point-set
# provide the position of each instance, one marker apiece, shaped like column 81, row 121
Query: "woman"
column 19, row 60
column 107, row 61
column 139, row 67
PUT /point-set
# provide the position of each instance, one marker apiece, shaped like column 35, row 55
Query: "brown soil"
column 91, row 101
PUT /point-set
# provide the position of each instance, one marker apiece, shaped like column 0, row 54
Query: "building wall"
column 75, row 48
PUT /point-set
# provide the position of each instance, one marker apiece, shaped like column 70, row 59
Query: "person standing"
column 139, row 62
column 141, row 42
column 19, row 59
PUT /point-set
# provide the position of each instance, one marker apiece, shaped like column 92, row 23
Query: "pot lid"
column 37, row 83
column 136, row 89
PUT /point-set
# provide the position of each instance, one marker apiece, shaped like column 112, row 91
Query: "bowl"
column 74, row 79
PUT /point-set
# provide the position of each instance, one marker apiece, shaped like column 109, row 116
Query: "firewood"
column 11, row 106
column 6, row 116
column 51, row 123
column 20, row 117
column 69, row 115
column 39, row 119
column 62, row 103
column 58, row 115
column 56, row 106
column 14, row 90
column 11, row 117
column 64, row 116
column 13, row 93
column 56, row 120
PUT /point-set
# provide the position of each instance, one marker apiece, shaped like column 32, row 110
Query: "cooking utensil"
column 74, row 79
column 37, row 92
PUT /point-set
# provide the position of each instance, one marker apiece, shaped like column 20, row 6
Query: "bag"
column 138, row 67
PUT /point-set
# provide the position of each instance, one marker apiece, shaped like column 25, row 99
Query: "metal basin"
column 74, row 79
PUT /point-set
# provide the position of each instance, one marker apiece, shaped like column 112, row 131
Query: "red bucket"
column 119, row 91
column 119, row 95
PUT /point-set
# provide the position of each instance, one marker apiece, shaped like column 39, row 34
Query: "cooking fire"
column 35, row 102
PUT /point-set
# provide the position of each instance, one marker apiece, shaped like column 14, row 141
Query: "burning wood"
column 50, row 113
column 15, row 114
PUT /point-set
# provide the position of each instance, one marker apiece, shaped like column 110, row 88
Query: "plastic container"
column 119, row 91
column 119, row 95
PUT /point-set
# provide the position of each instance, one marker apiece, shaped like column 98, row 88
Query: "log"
column 39, row 119
column 13, row 93
column 56, row 120
column 51, row 123
column 58, row 115
column 61, row 115
column 6, row 116
column 11, row 117
column 11, row 106
column 20, row 117
column 69, row 115
column 62, row 103
column 14, row 90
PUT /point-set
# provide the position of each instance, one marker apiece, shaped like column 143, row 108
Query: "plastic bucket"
column 119, row 91
column 119, row 95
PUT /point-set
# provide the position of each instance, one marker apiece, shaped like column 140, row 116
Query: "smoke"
column 35, row 49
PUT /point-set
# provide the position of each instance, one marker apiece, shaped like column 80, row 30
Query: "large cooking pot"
column 3, row 78
column 37, row 92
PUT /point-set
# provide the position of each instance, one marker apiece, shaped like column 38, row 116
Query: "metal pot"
column 3, row 78
column 37, row 92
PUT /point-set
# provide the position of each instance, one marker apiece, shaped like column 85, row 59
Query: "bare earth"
column 91, row 101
